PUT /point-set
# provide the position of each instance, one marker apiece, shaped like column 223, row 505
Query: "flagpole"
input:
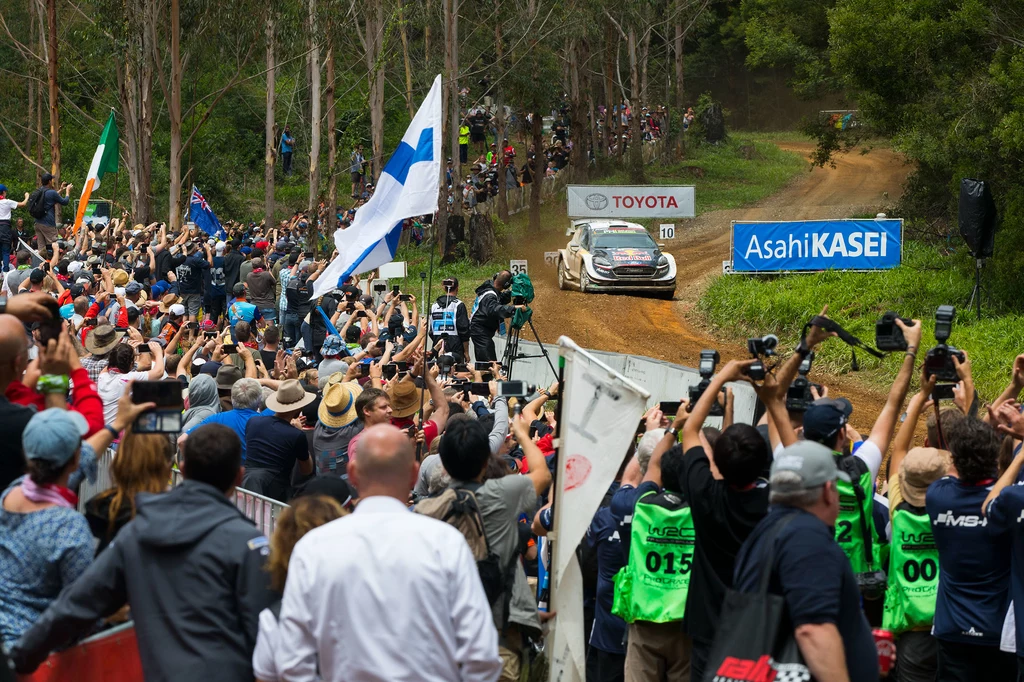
column 430, row 284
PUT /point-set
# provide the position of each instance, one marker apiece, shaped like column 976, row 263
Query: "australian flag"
column 204, row 218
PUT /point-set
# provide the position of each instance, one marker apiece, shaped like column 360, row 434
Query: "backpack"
column 458, row 508
column 37, row 203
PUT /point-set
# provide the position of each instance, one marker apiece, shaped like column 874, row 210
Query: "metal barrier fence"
column 261, row 510
column 87, row 490
column 663, row 380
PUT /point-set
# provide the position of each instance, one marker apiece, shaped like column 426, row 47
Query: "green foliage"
column 782, row 304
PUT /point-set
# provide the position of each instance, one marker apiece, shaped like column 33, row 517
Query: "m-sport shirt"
column 1006, row 513
column 974, row 564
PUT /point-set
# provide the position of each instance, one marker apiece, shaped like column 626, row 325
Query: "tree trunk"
column 645, row 52
column 30, row 127
column 404, row 34
column 680, row 104
column 578, row 154
column 174, row 113
column 538, row 170
column 452, row 56
column 314, row 89
column 146, row 101
column 39, row 133
column 636, row 158
column 375, row 75
column 426, row 34
column 609, row 97
column 270, row 126
column 332, row 145
column 500, row 117
column 51, row 72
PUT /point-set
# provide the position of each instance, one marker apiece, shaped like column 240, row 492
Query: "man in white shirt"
column 385, row 594
column 6, row 232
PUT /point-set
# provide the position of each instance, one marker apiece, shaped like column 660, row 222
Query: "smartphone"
column 51, row 328
column 144, row 348
column 380, row 288
column 364, row 369
column 361, row 313
column 307, row 254
column 942, row 392
column 229, row 348
column 97, row 271
column 669, row 407
column 210, row 335
column 513, row 389
column 166, row 416
column 390, row 370
column 480, row 388
column 482, row 366
column 405, row 297
column 192, row 325
column 395, row 290
column 461, row 367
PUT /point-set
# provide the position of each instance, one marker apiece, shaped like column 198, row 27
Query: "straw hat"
column 290, row 396
column 406, row 398
column 167, row 301
column 338, row 407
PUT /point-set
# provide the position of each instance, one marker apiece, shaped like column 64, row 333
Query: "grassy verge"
column 781, row 304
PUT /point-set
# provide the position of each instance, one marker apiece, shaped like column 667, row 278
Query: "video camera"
column 938, row 362
column 798, row 395
column 761, row 348
column 888, row 335
column 708, row 361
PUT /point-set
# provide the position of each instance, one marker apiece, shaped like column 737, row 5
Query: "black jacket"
column 489, row 312
column 190, row 566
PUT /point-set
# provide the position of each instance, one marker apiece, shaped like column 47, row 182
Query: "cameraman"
column 449, row 323
column 825, row 423
column 493, row 306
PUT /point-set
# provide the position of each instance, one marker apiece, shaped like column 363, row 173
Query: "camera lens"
column 770, row 342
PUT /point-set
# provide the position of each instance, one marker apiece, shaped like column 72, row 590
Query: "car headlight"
column 662, row 265
column 602, row 264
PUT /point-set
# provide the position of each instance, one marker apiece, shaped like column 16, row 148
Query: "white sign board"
column 550, row 257
column 392, row 270
column 667, row 231
column 517, row 266
column 630, row 201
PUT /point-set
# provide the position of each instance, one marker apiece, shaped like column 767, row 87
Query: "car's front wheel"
column 584, row 278
column 562, row 284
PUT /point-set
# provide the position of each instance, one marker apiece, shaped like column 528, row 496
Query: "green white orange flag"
column 103, row 161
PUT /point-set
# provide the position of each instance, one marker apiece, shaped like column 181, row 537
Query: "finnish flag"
column 408, row 187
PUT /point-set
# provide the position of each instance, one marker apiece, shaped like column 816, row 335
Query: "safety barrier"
column 663, row 380
column 261, row 510
column 104, row 481
column 110, row 656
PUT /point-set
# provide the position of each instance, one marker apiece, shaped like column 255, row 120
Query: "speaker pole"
column 975, row 299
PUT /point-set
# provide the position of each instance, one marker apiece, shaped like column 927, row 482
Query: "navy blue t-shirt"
column 604, row 535
column 623, row 502
column 190, row 274
column 273, row 444
column 816, row 581
column 1006, row 513
column 974, row 564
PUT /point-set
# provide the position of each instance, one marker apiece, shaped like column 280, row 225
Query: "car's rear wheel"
column 562, row 284
column 584, row 278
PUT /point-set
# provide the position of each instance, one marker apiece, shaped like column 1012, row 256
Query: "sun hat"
column 290, row 396
column 119, row 278
column 338, row 407
column 54, row 435
column 101, row 340
column 167, row 301
column 918, row 470
column 406, row 398
column 227, row 375
column 332, row 346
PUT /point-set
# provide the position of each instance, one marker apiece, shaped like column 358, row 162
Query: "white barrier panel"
column 663, row 380
column 261, row 510
column 87, row 491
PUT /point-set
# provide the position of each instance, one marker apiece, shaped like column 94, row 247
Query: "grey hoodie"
column 191, row 568
column 203, row 401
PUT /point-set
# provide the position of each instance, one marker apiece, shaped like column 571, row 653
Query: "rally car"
column 606, row 256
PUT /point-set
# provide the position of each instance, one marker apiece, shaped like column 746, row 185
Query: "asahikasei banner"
column 816, row 245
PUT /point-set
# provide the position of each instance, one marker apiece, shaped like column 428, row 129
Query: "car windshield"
column 623, row 240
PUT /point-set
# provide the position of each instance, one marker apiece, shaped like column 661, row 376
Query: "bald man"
column 13, row 418
column 384, row 593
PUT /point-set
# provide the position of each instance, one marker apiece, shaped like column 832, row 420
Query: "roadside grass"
column 745, row 306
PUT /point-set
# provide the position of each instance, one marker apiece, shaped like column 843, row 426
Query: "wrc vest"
column 855, row 531
column 913, row 572
column 654, row 583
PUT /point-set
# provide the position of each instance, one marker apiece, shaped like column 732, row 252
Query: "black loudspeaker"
column 977, row 217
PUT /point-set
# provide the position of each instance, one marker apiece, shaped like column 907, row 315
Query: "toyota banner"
column 630, row 201
column 812, row 245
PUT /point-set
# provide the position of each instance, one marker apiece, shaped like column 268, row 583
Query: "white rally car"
column 607, row 256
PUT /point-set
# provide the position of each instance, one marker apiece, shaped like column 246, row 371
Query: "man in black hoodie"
column 189, row 565
column 449, row 323
column 489, row 313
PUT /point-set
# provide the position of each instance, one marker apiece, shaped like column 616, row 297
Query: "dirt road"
column 669, row 330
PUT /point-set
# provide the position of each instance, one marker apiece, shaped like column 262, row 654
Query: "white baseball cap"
column 177, row 309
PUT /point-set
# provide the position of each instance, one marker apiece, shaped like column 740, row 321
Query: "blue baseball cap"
column 54, row 435
column 825, row 417
column 3, row 188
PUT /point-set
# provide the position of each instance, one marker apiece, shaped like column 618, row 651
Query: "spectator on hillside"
column 7, row 236
column 287, row 144
column 444, row 631
column 46, row 227
column 807, row 568
column 275, row 445
column 233, row 260
column 241, row 310
column 304, row 514
column 465, row 453
column 45, row 544
column 263, row 290
column 143, row 465
column 190, row 624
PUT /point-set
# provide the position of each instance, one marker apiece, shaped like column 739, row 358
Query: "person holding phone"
column 114, row 380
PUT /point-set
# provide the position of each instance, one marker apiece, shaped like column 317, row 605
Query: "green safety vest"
column 913, row 572
column 463, row 134
column 653, row 585
column 855, row 528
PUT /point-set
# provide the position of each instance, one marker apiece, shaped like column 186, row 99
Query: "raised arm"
column 885, row 425
column 539, row 473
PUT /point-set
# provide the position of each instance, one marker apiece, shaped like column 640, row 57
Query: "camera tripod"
column 512, row 353
column 978, row 290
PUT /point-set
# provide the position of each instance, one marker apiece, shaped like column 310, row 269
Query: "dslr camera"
column 938, row 362
column 760, row 348
column 798, row 395
column 708, row 361
column 888, row 335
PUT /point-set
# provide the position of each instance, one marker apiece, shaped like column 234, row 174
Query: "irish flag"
column 103, row 161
